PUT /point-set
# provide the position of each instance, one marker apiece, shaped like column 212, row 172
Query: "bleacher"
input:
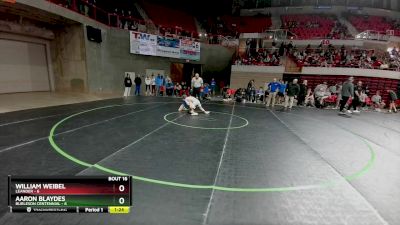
column 375, row 23
column 169, row 17
column 248, row 24
column 308, row 26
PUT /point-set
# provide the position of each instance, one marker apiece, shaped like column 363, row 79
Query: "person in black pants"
column 251, row 91
column 347, row 92
column 138, row 82
column 128, row 85
column 197, row 83
column 355, row 103
column 302, row 93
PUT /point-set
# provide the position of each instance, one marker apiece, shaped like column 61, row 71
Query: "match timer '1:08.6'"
column 77, row 194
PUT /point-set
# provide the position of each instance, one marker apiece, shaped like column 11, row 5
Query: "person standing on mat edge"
column 213, row 86
column 128, row 85
column 392, row 101
column 273, row 89
column 153, row 85
column 282, row 91
column 191, row 103
column 355, row 103
column 293, row 90
column 346, row 93
column 138, row 82
column 197, row 82
column 147, row 81
column 158, row 82
column 302, row 94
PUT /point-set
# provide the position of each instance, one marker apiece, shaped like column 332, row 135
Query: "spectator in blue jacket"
column 282, row 90
column 273, row 89
column 159, row 83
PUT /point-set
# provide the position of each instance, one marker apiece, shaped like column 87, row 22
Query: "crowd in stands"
column 310, row 26
column 331, row 56
column 324, row 95
column 262, row 56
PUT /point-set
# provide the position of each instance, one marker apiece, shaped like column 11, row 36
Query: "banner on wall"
column 190, row 50
column 168, row 47
column 143, row 44
column 148, row 44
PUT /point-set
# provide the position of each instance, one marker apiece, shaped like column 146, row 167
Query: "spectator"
column 138, row 83
column 363, row 99
column 251, row 91
column 159, row 82
column 169, row 87
column 128, row 85
column 282, row 90
column 392, row 101
column 153, row 85
column 185, row 89
column 338, row 95
column 377, row 103
column 206, row 92
column 147, row 81
column 213, row 86
column 309, row 99
column 321, row 93
column 347, row 93
column 260, row 94
column 355, row 103
column 273, row 88
column 293, row 91
column 177, row 89
column 303, row 93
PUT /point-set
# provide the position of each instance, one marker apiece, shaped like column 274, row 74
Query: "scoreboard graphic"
column 84, row 194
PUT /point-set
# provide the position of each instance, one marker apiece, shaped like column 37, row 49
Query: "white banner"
column 142, row 43
column 190, row 50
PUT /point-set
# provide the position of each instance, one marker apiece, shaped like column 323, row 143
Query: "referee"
column 197, row 83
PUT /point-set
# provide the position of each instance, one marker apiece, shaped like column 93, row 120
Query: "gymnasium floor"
column 242, row 164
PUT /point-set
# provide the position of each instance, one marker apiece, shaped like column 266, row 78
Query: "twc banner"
column 143, row 44
column 168, row 47
column 190, row 50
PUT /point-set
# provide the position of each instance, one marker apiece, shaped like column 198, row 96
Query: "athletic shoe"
column 349, row 112
column 194, row 114
column 207, row 112
column 356, row 111
column 342, row 113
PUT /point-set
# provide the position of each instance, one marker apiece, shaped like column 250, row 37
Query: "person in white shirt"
column 147, row 81
column 197, row 83
column 191, row 103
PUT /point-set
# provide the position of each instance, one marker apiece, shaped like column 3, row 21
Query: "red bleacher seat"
column 169, row 17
